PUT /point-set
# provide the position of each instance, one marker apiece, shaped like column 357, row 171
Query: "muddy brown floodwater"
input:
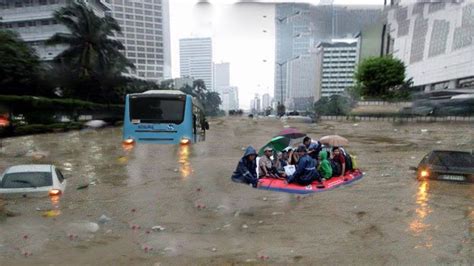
column 387, row 217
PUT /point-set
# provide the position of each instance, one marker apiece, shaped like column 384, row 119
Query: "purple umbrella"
column 291, row 133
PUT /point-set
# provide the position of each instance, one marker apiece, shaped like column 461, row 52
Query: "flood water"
column 387, row 217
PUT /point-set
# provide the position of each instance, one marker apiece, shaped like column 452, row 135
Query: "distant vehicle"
column 294, row 113
column 33, row 179
column 443, row 103
column 446, row 165
column 163, row 117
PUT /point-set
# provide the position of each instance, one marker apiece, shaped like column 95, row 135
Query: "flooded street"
column 174, row 205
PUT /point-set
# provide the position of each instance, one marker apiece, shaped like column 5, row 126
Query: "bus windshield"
column 157, row 110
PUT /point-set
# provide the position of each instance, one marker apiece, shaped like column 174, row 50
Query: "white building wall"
column 221, row 75
column 451, row 65
column 196, row 59
column 33, row 20
column 145, row 35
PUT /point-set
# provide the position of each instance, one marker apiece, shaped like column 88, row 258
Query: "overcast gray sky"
column 238, row 37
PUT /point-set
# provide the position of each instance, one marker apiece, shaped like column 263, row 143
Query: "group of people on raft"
column 312, row 160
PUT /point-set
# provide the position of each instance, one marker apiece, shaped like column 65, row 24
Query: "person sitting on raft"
column 306, row 171
column 340, row 161
column 266, row 167
column 313, row 147
column 280, row 163
column 324, row 166
column 246, row 171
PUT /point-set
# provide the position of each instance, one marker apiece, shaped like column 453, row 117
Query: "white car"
column 32, row 179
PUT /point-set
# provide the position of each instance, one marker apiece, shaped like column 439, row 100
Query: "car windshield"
column 157, row 110
column 27, row 180
column 452, row 159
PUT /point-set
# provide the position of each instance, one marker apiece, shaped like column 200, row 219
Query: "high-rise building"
column 196, row 59
column 435, row 41
column 299, row 27
column 145, row 35
column 33, row 20
column 301, row 85
column 337, row 65
column 221, row 75
column 266, row 101
column 230, row 98
column 258, row 103
column 182, row 82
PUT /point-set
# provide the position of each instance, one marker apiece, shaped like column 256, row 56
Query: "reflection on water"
column 419, row 225
column 55, row 211
column 183, row 160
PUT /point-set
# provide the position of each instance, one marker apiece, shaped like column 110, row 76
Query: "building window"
column 439, row 37
column 433, row 7
column 418, row 42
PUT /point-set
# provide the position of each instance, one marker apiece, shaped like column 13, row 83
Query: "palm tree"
column 91, row 48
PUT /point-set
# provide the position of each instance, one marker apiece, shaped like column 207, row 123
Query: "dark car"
column 447, row 165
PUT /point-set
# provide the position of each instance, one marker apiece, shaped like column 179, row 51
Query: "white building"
column 301, row 86
column 266, row 101
column 221, row 75
column 336, row 65
column 196, row 59
column 436, row 43
column 230, row 98
column 145, row 35
column 182, row 82
column 33, row 20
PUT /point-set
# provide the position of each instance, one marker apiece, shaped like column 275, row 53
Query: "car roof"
column 29, row 168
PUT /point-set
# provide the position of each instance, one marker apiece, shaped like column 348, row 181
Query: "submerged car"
column 32, row 180
column 445, row 165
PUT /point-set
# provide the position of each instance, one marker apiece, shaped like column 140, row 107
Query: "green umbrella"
column 278, row 143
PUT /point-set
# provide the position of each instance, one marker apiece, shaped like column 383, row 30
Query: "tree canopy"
column 380, row 77
column 92, row 62
column 19, row 66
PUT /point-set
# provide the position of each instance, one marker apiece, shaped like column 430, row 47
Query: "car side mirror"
column 207, row 125
column 414, row 168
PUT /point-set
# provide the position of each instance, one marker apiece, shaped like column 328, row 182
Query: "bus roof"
column 170, row 92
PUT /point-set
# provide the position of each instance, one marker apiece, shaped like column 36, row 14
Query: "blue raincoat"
column 306, row 171
column 246, row 171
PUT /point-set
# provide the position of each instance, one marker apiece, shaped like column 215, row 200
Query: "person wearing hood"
column 306, row 171
column 246, row 171
column 324, row 167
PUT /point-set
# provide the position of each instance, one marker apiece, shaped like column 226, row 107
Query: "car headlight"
column 55, row 192
column 185, row 141
column 424, row 173
column 129, row 141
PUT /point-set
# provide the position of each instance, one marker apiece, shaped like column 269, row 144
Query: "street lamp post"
column 281, row 75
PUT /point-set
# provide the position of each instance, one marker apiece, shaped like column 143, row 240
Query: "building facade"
column 266, row 101
column 145, row 35
column 230, row 98
column 301, row 85
column 221, row 75
column 337, row 61
column 33, row 21
column 195, row 58
column 436, row 43
column 299, row 27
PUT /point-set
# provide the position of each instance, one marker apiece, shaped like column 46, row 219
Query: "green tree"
column 167, row 84
column 334, row 105
column 380, row 77
column 19, row 66
column 281, row 109
column 92, row 57
column 211, row 103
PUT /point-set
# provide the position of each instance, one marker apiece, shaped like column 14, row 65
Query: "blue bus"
column 163, row 117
